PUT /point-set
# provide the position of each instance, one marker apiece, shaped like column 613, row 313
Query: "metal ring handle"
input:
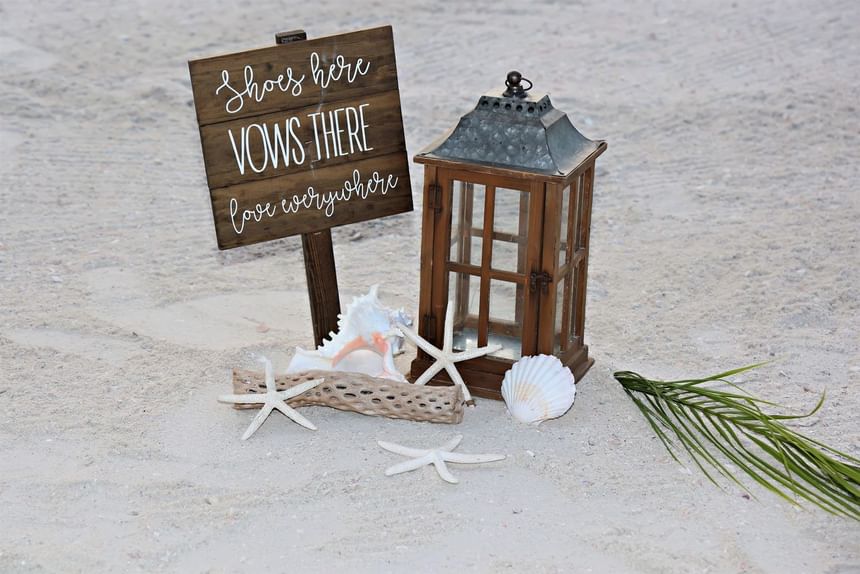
column 514, row 86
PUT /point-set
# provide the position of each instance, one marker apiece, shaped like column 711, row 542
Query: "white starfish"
column 435, row 456
column 446, row 357
column 273, row 399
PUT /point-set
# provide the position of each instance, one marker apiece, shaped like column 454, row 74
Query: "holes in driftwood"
column 418, row 403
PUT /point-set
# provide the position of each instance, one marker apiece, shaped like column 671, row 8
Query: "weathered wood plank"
column 288, row 61
column 275, row 194
column 227, row 165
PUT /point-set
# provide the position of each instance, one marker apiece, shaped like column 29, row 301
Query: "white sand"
column 725, row 232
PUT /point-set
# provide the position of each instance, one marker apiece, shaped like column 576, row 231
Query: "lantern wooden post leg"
column 585, row 229
column 426, row 321
column 439, row 251
column 549, row 265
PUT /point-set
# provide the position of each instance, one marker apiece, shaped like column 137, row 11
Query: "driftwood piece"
column 362, row 394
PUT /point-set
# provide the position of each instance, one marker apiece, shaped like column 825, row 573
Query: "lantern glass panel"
column 464, row 294
column 563, row 236
column 573, row 330
column 467, row 222
column 506, row 318
column 560, row 315
column 510, row 229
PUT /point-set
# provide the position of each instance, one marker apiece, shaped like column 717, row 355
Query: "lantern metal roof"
column 514, row 130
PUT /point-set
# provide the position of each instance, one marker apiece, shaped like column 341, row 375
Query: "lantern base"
column 484, row 375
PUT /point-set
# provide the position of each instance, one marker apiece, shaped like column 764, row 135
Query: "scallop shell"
column 538, row 388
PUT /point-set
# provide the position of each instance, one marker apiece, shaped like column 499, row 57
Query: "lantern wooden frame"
column 541, row 269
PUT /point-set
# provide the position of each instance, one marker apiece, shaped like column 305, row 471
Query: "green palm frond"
column 720, row 427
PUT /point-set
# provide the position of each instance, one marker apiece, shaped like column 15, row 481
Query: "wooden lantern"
column 505, row 234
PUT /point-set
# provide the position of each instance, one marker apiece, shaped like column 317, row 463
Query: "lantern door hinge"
column 540, row 279
column 435, row 197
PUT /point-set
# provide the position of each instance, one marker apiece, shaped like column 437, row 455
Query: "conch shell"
column 365, row 342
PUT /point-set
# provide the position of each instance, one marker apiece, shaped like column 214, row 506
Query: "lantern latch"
column 542, row 279
column 435, row 197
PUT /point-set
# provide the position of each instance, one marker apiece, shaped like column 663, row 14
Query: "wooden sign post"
column 299, row 138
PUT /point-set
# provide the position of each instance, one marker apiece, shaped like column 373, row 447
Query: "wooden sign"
column 302, row 137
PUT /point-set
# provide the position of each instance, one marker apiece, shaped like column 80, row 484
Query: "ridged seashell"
column 366, row 319
column 538, row 388
column 365, row 342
